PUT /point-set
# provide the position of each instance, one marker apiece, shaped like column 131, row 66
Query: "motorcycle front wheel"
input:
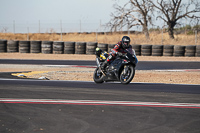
column 127, row 74
column 98, row 76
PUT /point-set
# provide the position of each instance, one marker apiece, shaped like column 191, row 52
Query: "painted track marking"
column 100, row 102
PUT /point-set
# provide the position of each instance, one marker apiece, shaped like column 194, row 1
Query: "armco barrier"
column 57, row 47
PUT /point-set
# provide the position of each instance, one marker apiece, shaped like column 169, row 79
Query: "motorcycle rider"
column 122, row 46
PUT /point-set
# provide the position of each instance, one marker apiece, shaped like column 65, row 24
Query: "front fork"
column 125, row 72
column 125, row 69
column 99, row 66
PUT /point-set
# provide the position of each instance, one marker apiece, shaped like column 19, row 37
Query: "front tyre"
column 98, row 76
column 127, row 74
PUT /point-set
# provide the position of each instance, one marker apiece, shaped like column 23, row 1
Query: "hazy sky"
column 28, row 13
column 46, row 15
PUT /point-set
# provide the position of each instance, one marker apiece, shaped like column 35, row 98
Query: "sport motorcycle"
column 122, row 68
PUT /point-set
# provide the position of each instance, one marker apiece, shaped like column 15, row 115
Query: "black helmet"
column 126, row 42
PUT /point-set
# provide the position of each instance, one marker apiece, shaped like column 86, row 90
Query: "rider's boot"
column 103, row 68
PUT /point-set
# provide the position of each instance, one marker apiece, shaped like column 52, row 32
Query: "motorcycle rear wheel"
column 98, row 77
column 126, row 78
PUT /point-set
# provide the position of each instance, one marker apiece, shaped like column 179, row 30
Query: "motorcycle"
column 121, row 69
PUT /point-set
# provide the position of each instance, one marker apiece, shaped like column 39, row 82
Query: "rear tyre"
column 126, row 76
column 98, row 76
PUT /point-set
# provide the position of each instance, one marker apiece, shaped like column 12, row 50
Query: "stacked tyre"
column 24, row 46
column 58, row 47
column 80, row 48
column 157, row 50
column 179, row 50
column 168, row 50
column 190, row 51
column 110, row 47
column 91, row 47
column 47, row 47
column 35, row 46
column 198, row 50
column 3, row 46
column 146, row 50
column 137, row 48
column 69, row 47
column 12, row 46
column 103, row 47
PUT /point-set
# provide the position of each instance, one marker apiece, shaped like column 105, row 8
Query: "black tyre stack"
column 58, row 47
column 35, row 46
column 103, row 47
column 24, row 46
column 47, row 47
column 69, row 47
column 146, row 50
column 80, row 48
column 190, row 51
column 3, row 46
column 137, row 48
column 12, row 46
column 179, row 50
column 91, row 47
column 198, row 50
column 168, row 50
column 110, row 47
column 157, row 50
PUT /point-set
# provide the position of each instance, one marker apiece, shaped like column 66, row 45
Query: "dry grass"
column 155, row 38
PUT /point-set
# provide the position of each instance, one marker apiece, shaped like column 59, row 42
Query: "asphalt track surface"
column 142, row 65
column 37, row 106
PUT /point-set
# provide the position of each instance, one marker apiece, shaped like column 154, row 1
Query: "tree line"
column 145, row 12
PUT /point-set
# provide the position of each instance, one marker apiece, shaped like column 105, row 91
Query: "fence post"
column 195, row 37
column 61, row 29
column 14, row 26
column 162, row 35
column 96, row 35
column 100, row 26
column 27, row 33
column 128, row 30
column 39, row 26
column 80, row 26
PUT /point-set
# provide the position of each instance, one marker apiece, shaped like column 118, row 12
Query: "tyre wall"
column 35, row 46
column 12, row 46
column 59, row 47
column 24, row 46
column 80, row 48
column 91, row 47
column 146, row 50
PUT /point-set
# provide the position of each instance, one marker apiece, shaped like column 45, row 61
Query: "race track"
column 85, row 107
column 142, row 65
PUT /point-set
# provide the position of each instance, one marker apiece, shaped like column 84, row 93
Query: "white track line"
column 100, row 102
